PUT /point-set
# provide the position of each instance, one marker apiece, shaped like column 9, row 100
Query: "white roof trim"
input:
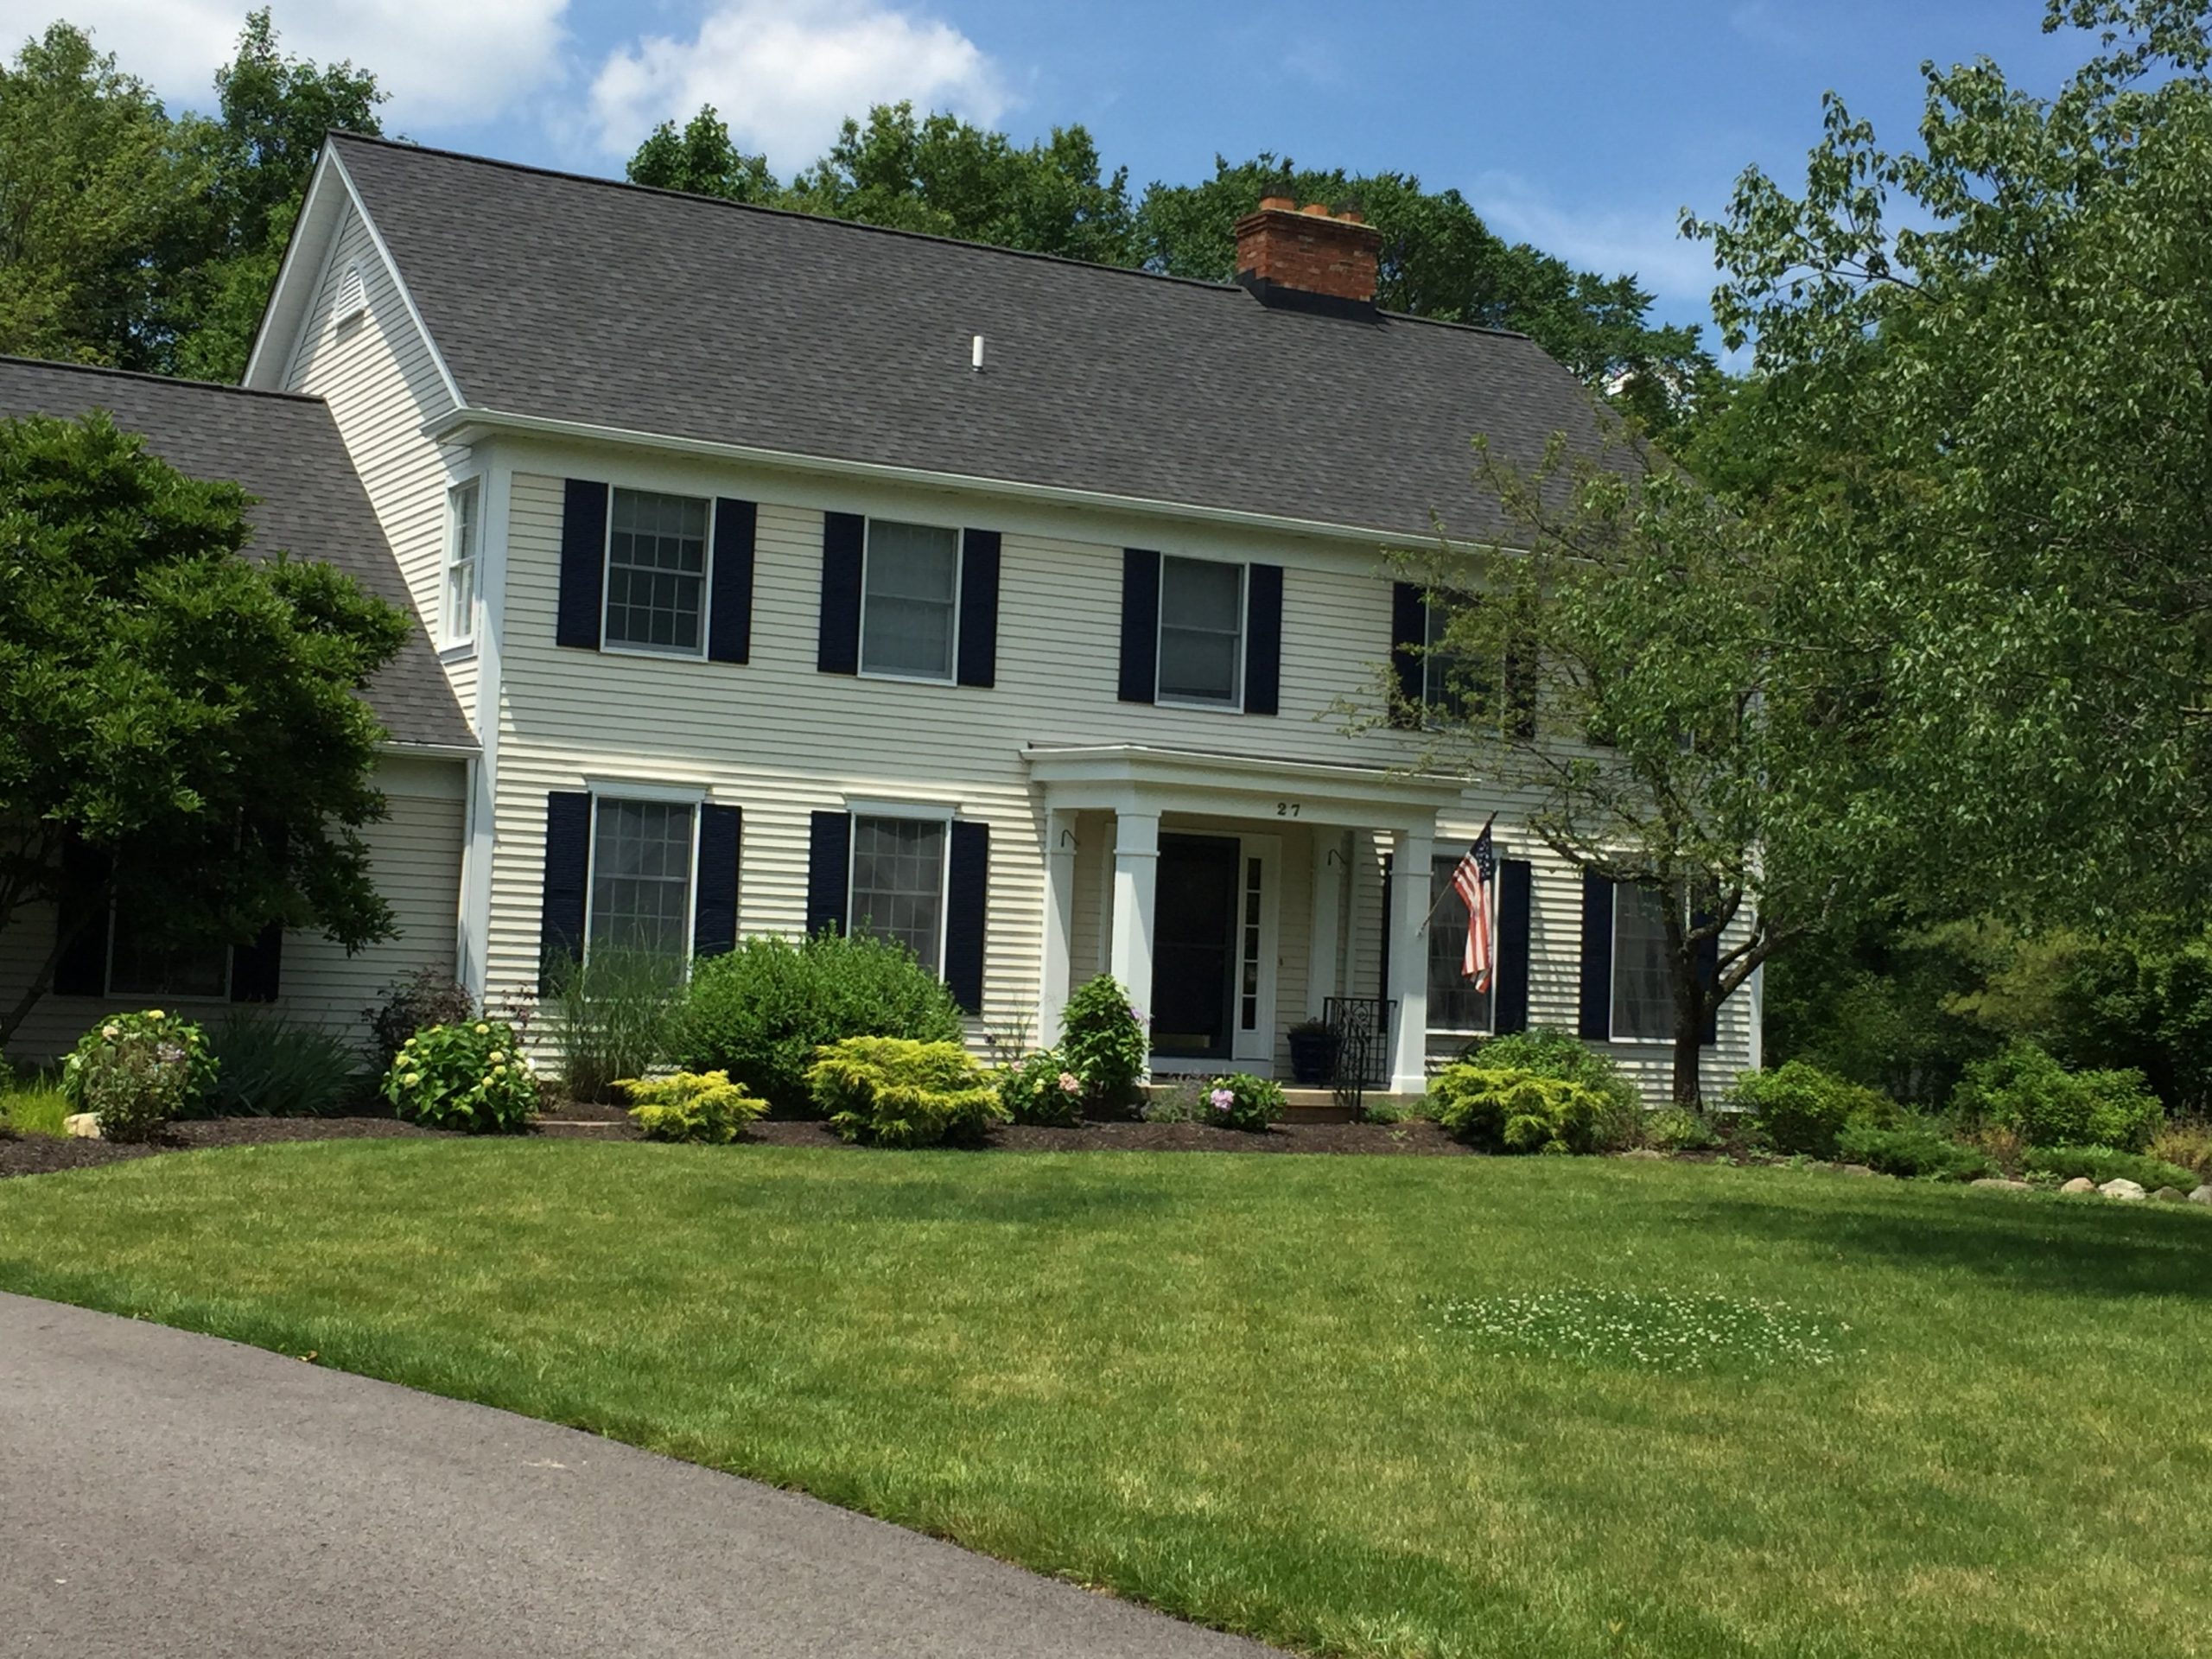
column 1133, row 777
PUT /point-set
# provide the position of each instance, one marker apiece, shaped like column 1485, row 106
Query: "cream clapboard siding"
column 378, row 374
column 779, row 739
column 416, row 862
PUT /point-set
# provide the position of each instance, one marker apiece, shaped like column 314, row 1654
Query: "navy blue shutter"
column 730, row 625
column 568, row 870
column 1408, row 634
column 583, row 565
column 1709, row 974
column 843, row 536
column 1140, row 625
column 714, row 910
column 256, row 968
column 1597, row 1010
column 1263, row 638
column 1514, row 894
column 979, row 608
column 81, row 918
column 829, row 872
column 967, row 893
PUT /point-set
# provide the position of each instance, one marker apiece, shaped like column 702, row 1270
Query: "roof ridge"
column 383, row 143
column 154, row 377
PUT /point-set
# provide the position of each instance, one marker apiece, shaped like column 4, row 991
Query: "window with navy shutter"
column 729, row 624
column 837, row 649
column 257, row 968
column 81, row 920
column 1595, row 1020
column 979, row 608
column 968, row 877
column 1516, row 907
column 714, row 906
column 1140, row 625
column 828, row 870
column 1409, row 635
column 1263, row 638
column 568, row 874
column 583, row 565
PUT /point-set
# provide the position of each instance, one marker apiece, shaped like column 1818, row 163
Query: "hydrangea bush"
column 136, row 1071
column 1241, row 1100
column 470, row 1075
column 1042, row 1089
column 1103, row 1042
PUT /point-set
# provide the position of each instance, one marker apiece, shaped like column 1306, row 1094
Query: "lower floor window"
column 1454, row 1004
column 1643, row 996
column 141, row 965
column 898, row 888
column 641, row 877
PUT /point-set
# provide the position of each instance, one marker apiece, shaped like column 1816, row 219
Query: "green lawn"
column 1272, row 1393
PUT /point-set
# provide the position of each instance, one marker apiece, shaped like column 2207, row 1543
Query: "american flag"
column 1471, row 882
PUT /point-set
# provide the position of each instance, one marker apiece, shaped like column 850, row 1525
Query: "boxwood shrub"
column 889, row 1092
column 1549, row 1052
column 2025, row 1090
column 1504, row 1110
column 1801, row 1108
column 1911, row 1147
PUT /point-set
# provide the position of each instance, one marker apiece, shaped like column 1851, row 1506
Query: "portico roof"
column 1144, row 778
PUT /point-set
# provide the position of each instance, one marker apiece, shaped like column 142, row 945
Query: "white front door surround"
column 1138, row 782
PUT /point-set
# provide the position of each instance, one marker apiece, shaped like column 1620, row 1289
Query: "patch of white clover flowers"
column 1646, row 1330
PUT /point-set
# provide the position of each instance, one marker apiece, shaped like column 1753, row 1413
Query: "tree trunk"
column 1689, row 1045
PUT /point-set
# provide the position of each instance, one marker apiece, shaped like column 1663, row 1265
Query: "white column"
column 1325, row 949
column 1410, row 852
column 1136, row 873
column 1060, row 925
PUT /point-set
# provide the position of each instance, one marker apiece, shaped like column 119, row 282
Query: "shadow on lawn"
column 2102, row 1249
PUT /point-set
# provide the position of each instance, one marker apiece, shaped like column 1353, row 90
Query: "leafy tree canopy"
column 702, row 159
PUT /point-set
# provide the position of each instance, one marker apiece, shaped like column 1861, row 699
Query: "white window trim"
column 1611, row 1036
column 107, row 971
column 959, row 578
column 1496, row 965
column 1234, row 705
column 456, row 641
column 630, row 648
column 658, row 795
column 917, row 812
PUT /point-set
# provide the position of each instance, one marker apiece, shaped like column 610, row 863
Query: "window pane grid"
column 1248, row 1017
column 1454, row 1004
column 1643, row 1000
column 656, row 571
column 461, row 568
column 898, row 890
column 641, row 877
column 1201, row 629
column 909, row 604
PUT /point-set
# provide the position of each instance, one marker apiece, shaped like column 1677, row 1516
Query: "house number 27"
column 1286, row 808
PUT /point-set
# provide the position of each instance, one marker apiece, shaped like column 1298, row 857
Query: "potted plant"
column 1313, row 1047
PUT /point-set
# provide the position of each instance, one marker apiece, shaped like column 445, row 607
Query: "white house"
column 791, row 573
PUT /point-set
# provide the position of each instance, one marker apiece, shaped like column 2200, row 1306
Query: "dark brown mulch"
column 41, row 1154
column 1419, row 1137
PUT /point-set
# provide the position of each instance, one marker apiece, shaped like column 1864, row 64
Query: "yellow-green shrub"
column 1505, row 1109
column 691, row 1106
column 891, row 1091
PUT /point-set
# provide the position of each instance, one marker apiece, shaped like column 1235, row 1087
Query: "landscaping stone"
column 2202, row 1195
column 1643, row 1152
column 2079, row 1184
column 2169, row 1195
column 1999, row 1180
column 1854, row 1169
column 82, row 1125
column 2120, row 1187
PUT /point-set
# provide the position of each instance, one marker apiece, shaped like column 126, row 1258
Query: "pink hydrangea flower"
column 1070, row 1084
column 1223, row 1099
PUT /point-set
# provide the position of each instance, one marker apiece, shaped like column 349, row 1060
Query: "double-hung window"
column 1446, row 675
column 464, row 537
column 1454, row 1004
column 656, row 573
column 910, row 600
column 641, row 867
column 140, row 965
column 1643, row 996
column 1201, row 632
column 898, row 883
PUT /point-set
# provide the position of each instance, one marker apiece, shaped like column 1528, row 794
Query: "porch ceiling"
column 1141, row 777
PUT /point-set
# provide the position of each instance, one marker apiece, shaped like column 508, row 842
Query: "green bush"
column 471, row 1077
column 2022, row 1088
column 1911, row 1147
column 890, row 1091
column 136, row 1071
column 1516, row 1110
column 1549, row 1052
column 612, row 1011
column 275, row 1067
column 413, row 1002
column 761, row 1011
column 1042, row 1089
column 1800, row 1108
column 2102, row 1163
column 703, row 1106
column 1241, row 1101
column 1104, row 1044
column 1677, row 1129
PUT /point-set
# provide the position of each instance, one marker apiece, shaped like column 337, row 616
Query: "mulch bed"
column 42, row 1154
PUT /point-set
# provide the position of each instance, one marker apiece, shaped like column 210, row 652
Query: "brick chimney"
column 1309, row 257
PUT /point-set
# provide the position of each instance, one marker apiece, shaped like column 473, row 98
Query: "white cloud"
column 1647, row 242
column 783, row 73
column 445, row 62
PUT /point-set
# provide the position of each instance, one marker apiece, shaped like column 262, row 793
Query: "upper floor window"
column 1643, row 997
column 1454, row 1004
column 641, row 876
column 1201, row 632
column 656, row 573
column 463, row 539
column 1444, row 671
column 898, row 884
column 910, row 600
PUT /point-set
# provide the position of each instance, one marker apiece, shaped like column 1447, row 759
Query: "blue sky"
column 1580, row 125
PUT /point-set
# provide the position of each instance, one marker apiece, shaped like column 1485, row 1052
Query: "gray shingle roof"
column 581, row 299
column 286, row 450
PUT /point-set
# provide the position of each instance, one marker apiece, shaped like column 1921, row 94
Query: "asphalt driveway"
column 163, row 1493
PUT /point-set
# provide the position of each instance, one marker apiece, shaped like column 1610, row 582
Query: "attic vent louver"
column 352, row 296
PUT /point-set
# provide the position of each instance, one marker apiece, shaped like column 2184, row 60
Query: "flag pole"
column 1446, row 893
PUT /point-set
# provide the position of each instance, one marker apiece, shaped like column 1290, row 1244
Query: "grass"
column 32, row 1107
column 1353, row 1406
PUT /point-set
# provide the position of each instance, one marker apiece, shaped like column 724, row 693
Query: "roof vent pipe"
column 975, row 357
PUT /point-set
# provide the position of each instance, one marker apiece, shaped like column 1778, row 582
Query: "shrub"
column 136, row 1071
column 2188, row 1144
column 1800, row 1108
column 891, row 1091
column 1677, row 1129
column 469, row 1076
column 1516, row 1110
column 414, row 1002
column 1549, row 1052
column 1104, row 1043
column 690, row 1106
column 761, row 1011
column 1911, row 1147
column 613, row 1010
column 275, row 1067
column 2022, row 1088
column 2102, row 1163
column 1241, row 1101
column 1042, row 1089
column 1183, row 1101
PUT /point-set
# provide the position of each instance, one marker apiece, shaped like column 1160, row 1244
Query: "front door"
column 1194, row 947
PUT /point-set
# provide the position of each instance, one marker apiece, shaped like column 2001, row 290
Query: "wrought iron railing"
column 1362, row 1026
